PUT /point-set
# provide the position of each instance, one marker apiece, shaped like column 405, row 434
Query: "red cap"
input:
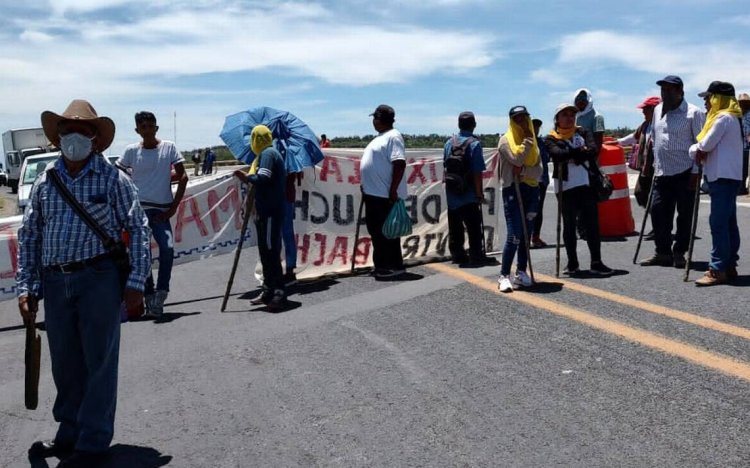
column 652, row 101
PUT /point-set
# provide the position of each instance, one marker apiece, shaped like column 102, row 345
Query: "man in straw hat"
column 83, row 288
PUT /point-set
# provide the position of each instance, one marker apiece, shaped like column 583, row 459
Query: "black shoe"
column 82, row 459
column 658, row 260
column 50, row 448
column 290, row 279
column 599, row 268
column 460, row 259
column 571, row 270
column 482, row 261
column 278, row 301
column 679, row 260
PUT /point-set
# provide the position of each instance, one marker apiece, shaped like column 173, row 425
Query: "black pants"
column 470, row 217
column 386, row 253
column 672, row 192
column 745, row 157
column 580, row 203
column 269, row 248
column 536, row 227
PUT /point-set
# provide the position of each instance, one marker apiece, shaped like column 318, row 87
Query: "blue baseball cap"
column 670, row 79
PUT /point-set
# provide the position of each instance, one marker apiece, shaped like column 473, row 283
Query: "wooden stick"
column 249, row 199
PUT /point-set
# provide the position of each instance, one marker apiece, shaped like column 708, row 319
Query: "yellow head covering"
column 515, row 136
column 260, row 139
column 720, row 104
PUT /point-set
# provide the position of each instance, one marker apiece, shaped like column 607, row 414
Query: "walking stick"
column 481, row 224
column 356, row 231
column 249, row 199
column 32, row 359
column 559, row 222
column 645, row 217
column 525, row 229
column 694, row 225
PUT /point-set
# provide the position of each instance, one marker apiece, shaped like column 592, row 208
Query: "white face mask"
column 75, row 147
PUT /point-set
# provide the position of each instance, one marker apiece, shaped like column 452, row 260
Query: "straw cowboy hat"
column 79, row 109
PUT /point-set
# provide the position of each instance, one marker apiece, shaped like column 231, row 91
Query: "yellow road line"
column 722, row 363
column 649, row 307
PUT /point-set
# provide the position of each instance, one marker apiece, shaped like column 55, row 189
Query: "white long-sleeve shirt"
column 724, row 146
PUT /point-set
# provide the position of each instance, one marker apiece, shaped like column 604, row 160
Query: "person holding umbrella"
column 268, row 175
column 719, row 149
column 573, row 151
column 382, row 169
column 519, row 169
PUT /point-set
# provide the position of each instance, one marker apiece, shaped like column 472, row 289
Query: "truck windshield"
column 34, row 168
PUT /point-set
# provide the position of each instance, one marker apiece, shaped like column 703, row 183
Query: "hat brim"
column 571, row 107
column 704, row 94
column 105, row 129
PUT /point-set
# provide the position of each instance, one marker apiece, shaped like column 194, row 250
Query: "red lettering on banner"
column 340, row 249
column 331, row 165
column 10, row 232
column 433, row 172
column 320, row 238
column 355, row 179
column 416, row 171
column 230, row 200
column 195, row 217
column 492, row 167
column 362, row 251
column 304, row 248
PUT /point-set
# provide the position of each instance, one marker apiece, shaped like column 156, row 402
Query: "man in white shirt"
column 719, row 149
column 382, row 171
column 675, row 126
column 151, row 163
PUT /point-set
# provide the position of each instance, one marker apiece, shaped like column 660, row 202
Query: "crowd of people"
column 77, row 271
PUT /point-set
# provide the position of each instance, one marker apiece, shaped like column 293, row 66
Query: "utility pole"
column 175, row 128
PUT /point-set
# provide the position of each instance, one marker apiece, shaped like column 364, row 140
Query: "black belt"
column 72, row 267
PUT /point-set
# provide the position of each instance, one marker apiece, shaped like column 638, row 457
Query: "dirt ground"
column 9, row 201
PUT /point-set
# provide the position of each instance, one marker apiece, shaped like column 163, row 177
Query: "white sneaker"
column 504, row 284
column 522, row 279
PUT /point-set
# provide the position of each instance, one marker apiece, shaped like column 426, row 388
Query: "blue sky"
column 332, row 62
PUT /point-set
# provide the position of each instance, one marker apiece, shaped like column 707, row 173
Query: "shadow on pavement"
column 39, row 326
column 408, row 276
column 542, row 287
column 309, row 287
column 134, row 456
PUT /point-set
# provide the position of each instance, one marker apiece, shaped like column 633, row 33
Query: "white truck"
column 18, row 144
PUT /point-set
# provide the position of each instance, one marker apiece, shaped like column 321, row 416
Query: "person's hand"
column 28, row 306
column 242, row 175
column 133, row 298
column 528, row 141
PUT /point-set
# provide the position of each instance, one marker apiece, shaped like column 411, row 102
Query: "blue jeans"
column 725, row 235
column 287, row 234
column 82, row 318
column 514, row 228
column 162, row 232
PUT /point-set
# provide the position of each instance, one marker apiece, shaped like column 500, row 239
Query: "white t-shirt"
column 577, row 175
column 376, row 165
column 152, row 170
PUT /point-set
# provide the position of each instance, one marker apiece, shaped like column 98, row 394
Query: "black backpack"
column 457, row 166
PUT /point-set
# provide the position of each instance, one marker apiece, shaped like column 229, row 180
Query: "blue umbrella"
column 296, row 142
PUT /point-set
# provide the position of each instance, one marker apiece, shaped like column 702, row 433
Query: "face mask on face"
column 75, row 147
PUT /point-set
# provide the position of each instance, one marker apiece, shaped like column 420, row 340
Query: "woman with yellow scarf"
column 573, row 150
column 519, row 161
column 720, row 149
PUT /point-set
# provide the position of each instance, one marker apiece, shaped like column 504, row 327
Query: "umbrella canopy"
column 296, row 142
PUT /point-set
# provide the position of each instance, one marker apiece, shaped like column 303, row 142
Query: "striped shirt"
column 53, row 234
column 672, row 134
column 746, row 128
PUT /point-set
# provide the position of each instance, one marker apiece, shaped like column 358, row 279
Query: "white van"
column 30, row 168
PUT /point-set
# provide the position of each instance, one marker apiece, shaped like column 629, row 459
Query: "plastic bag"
column 398, row 222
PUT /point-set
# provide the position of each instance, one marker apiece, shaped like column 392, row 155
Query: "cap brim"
column 703, row 94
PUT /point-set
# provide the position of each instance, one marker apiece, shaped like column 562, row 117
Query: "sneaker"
column 712, row 278
column 482, row 261
column 152, row 311
column 679, row 260
column 599, row 268
column 571, row 270
column 290, row 279
column 658, row 260
column 504, row 284
column 522, row 279
column 460, row 259
column 262, row 298
column 278, row 301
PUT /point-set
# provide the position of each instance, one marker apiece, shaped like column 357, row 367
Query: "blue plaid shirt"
column 53, row 234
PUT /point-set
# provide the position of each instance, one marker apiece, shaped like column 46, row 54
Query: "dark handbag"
column 116, row 249
column 599, row 182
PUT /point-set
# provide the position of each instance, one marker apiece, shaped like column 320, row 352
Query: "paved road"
column 639, row 369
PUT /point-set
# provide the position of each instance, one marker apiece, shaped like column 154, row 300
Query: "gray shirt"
column 672, row 134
